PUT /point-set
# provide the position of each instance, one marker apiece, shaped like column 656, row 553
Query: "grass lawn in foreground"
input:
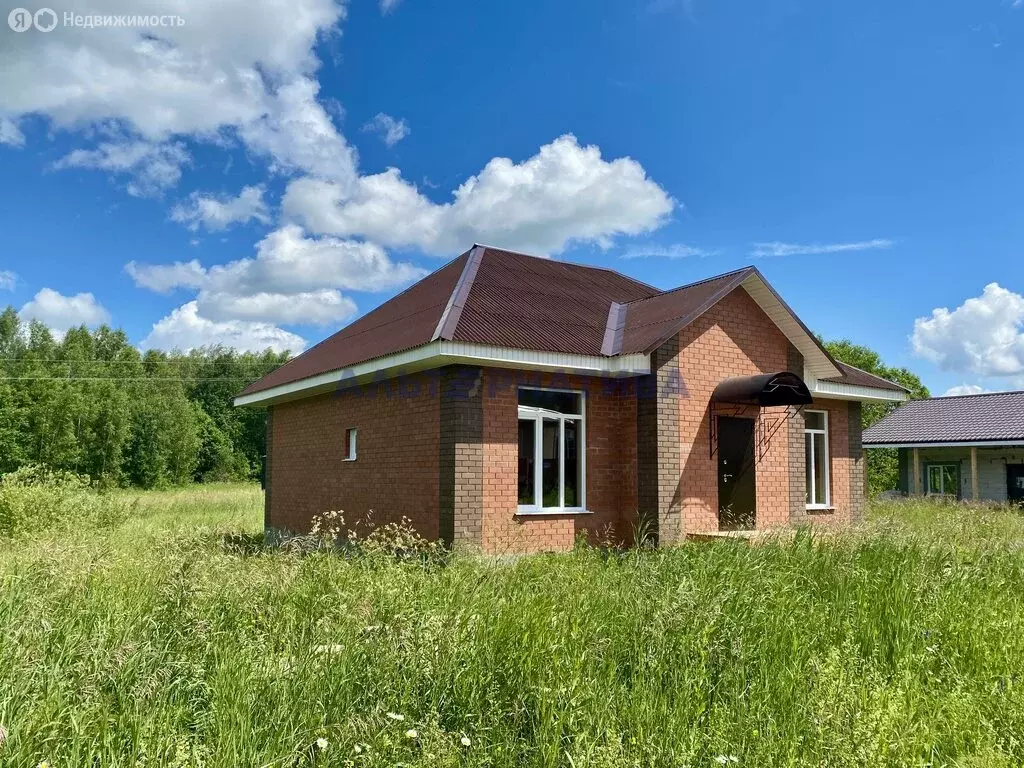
column 174, row 639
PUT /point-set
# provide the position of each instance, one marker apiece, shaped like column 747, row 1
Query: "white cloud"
column 10, row 133
column 387, row 6
column 185, row 329
column 762, row 250
column 965, row 389
column 292, row 279
column 7, row 280
column 391, row 130
column 565, row 193
column 321, row 307
column 983, row 336
column 227, row 71
column 674, row 251
column 59, row 312
column 219, row 212
column 153, row 168
column 164, row 278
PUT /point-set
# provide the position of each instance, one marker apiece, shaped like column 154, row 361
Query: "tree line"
column 93, row 404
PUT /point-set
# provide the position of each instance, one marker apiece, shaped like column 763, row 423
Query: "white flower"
column 396, row 716
column 321, row 743
column 412, row 733
column 465, row 741
column 726, row 759
column 359, row 749
column 330, row 648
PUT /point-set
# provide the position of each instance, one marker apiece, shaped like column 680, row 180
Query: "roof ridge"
column 694, row 284
column 973, row 394
column 551, row 260
column 449, row 319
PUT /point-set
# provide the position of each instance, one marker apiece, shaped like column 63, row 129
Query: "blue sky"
column 228, row 179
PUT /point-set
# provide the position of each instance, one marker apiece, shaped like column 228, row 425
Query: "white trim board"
column 438, row 353
column 836, row 390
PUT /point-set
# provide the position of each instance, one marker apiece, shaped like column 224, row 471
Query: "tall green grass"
column 177, row 639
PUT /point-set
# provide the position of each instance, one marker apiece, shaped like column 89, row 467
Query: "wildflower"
column 330, row 648
column 396, row 716
column 412, row 733
column 44, row 764
column 465, row 741
column 321, row 743
column 726, row 759
column 359, row 749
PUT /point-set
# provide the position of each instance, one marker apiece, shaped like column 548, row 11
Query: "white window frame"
column 942, row 479
column 352, row 434
column 828, row 462
column 537, row 416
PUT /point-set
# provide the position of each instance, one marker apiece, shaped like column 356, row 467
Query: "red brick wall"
column 734, row 338
column 845, row 467
column 395, row 473
column 610, row 472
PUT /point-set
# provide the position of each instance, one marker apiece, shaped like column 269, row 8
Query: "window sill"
column 551, row 511
column 352, row 459
column 820, row 508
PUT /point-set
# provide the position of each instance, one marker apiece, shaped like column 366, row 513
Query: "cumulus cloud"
column 292, row 279
column 185, row 329
column 151, row 167
column 226, row 72
column 983, row 336
column 216, row 213
column 387, row 6
column 321, row 307
column 164, row 278
column 762, row 250
column 391, row 131
column 60, row 313
column 565, row 193
column 10, row 133
column 965, row 389
column 7, row 280
column 674, row 251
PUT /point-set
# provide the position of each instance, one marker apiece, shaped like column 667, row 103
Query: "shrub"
column 35, row 498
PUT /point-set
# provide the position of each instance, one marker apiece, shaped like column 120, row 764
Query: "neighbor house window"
column 551, row 451
column 943, row 480
column 816, row 452
column 350, row 444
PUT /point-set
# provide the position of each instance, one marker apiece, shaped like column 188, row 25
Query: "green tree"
column 882, row 463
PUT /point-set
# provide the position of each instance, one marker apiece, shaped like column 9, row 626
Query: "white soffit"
column 438, row 353
column 836, row 390
column 816, row 362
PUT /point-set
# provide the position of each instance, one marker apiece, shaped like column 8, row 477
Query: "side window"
column 350, row 444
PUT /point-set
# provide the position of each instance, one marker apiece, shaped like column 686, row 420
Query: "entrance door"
column 736, row 480
column 1015, row 483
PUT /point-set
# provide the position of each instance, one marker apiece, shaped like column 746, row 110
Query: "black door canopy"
column 766, row 389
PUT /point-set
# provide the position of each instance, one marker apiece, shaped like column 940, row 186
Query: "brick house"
column 513, row 403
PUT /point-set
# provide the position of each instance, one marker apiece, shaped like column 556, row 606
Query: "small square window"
column 350, row 444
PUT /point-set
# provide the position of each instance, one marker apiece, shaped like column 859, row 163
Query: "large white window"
column 552, row 458
column 816, row 452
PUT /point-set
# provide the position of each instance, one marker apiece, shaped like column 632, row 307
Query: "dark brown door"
column 737, row 495
column 1015, row 483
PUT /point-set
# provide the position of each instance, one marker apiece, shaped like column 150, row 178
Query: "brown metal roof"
column 405, row 321
column 652, row 320
column 525, row 302
column 859, row 378
column 507, row 299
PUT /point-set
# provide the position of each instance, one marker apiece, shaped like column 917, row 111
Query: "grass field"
column 174, row 639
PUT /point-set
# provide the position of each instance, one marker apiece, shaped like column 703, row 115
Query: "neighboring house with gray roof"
column 968, row 446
